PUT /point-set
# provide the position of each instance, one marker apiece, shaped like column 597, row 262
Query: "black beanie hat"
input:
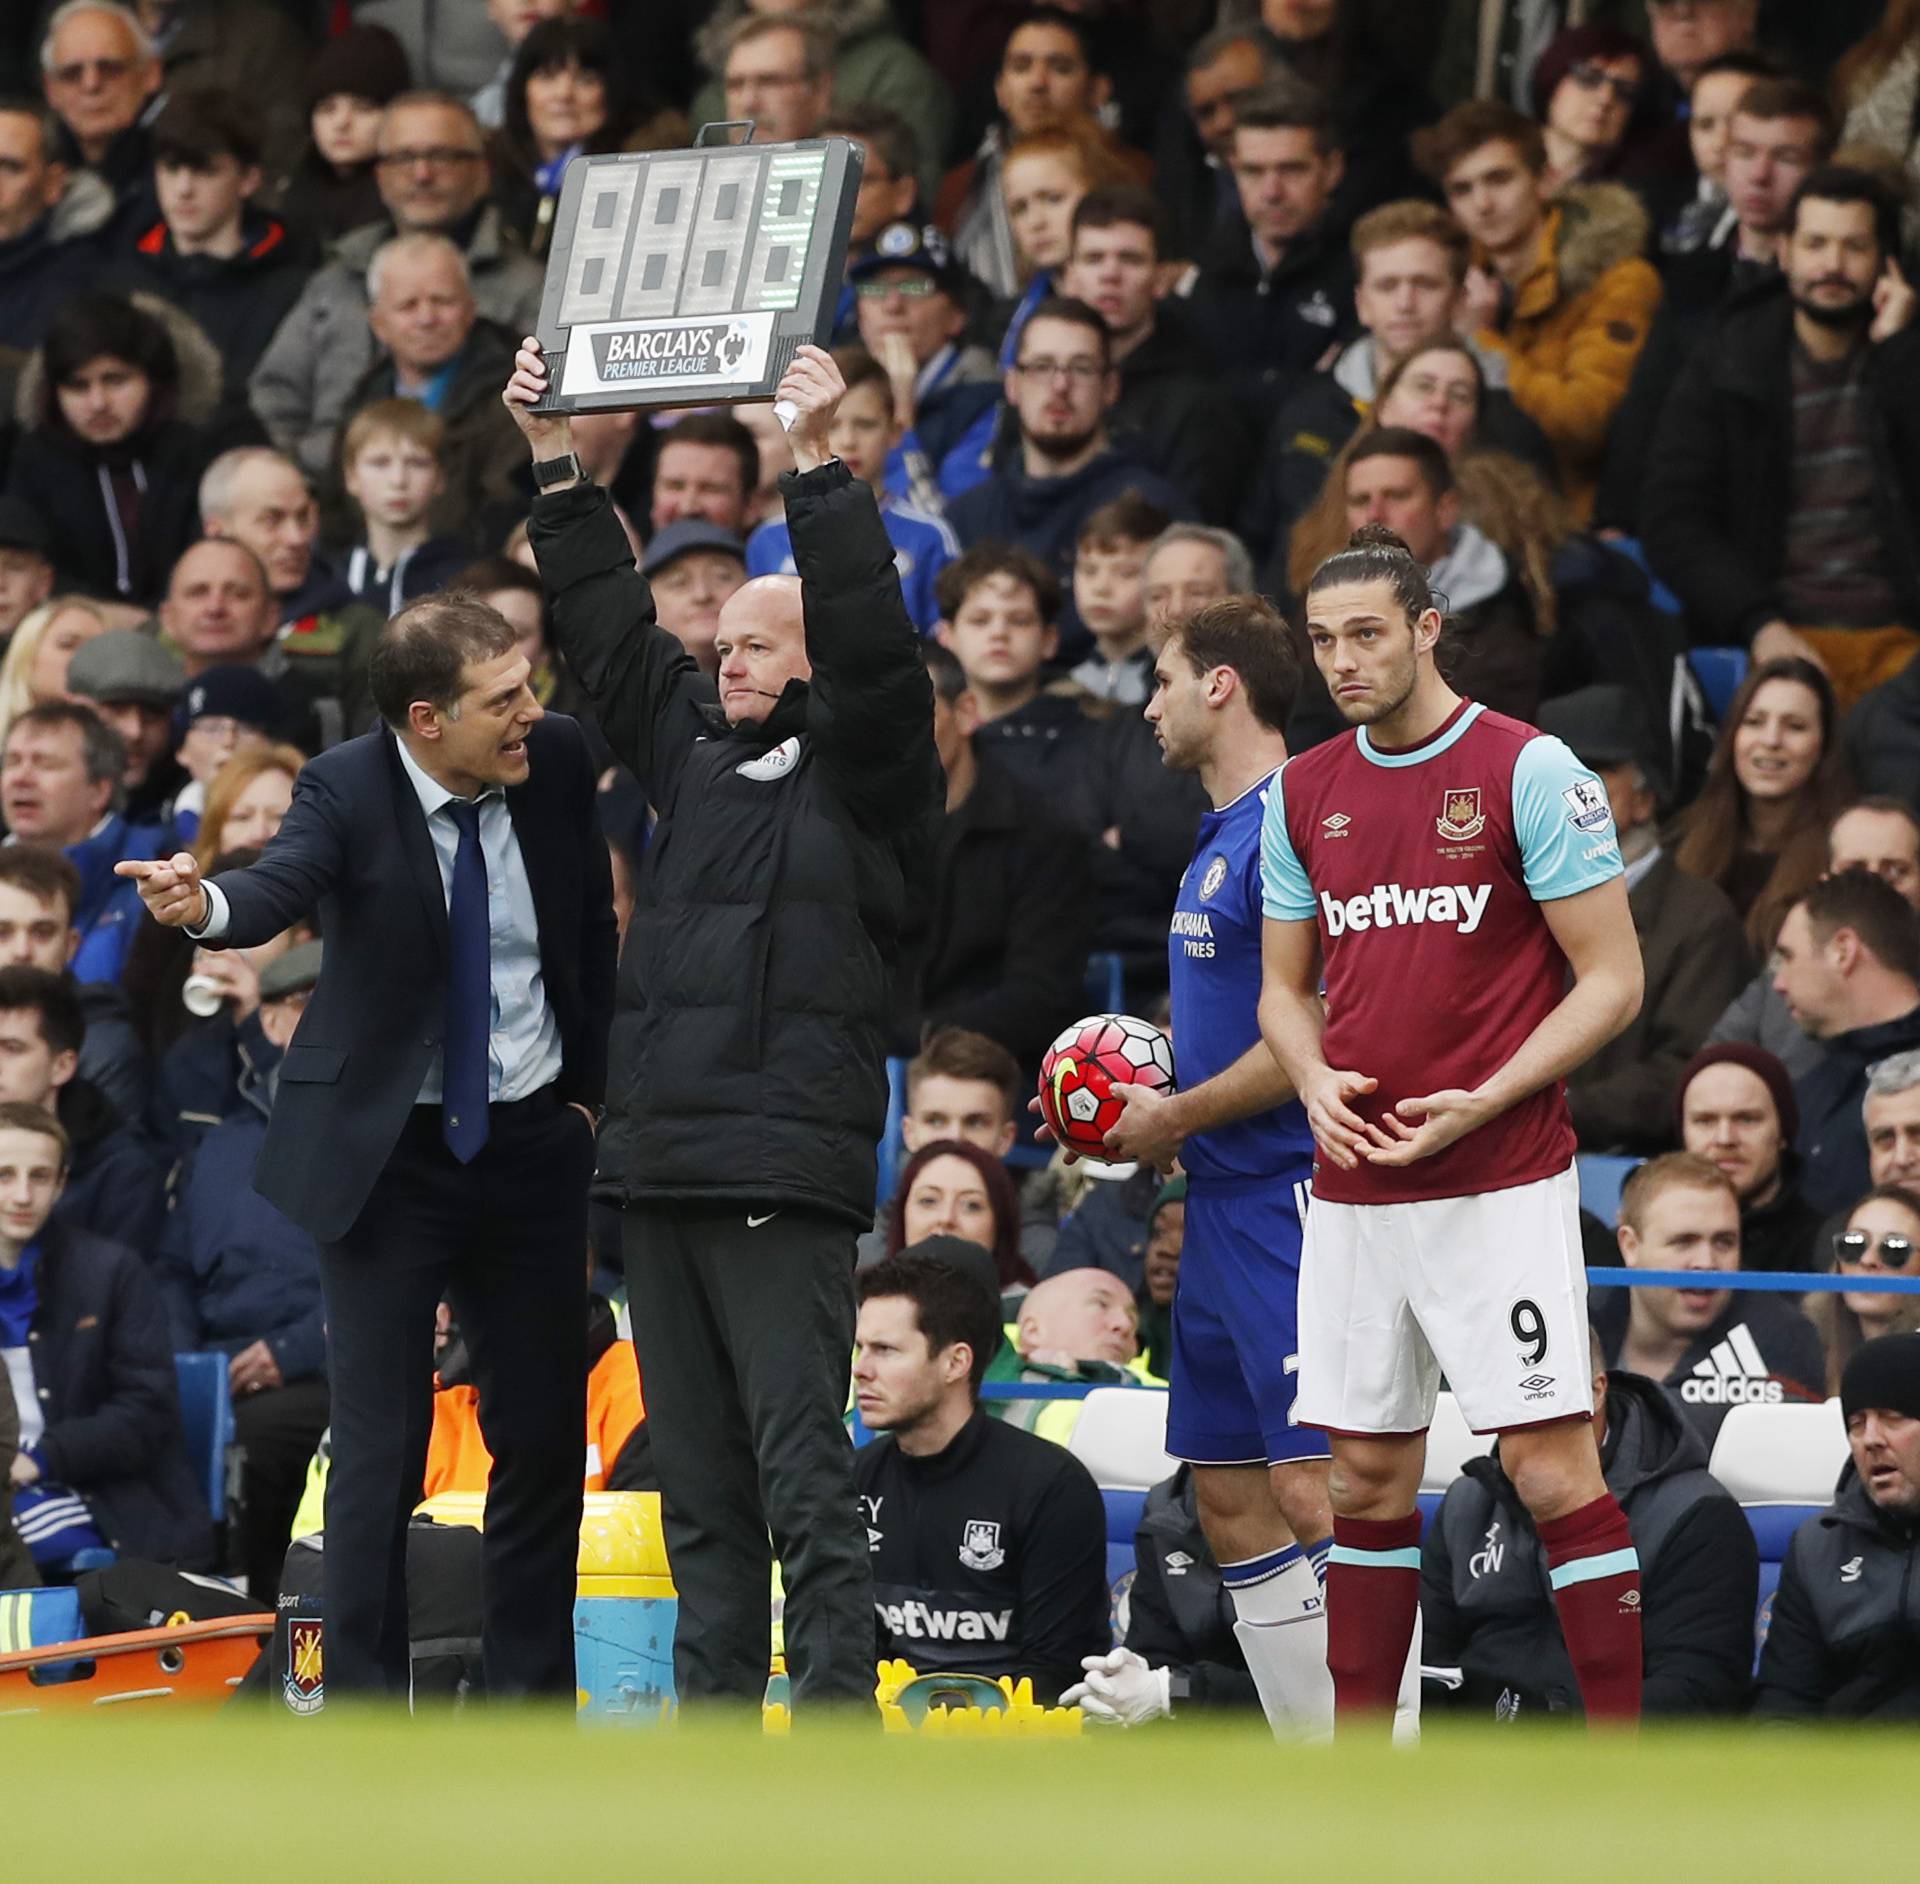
column 364, row 61
column 1884, row 1372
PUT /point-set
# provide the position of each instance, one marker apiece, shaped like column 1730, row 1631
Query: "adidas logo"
column 1733, row 1374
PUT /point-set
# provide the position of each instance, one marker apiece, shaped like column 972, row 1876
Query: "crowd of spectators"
column 1601, row 305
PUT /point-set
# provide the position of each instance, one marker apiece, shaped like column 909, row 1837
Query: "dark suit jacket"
column 355, row 849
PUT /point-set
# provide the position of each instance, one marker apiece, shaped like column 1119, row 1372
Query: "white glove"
column 1121, row 1690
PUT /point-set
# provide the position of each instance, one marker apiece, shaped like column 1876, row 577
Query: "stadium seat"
column 1601, row 1181
column 890, row 1145
column 1719, row 672
column 206, row 1416
column 1107, row 982
column 1781, row 1455
column 1121, row 1439
column 1450, row 1444
column 1782, row 1463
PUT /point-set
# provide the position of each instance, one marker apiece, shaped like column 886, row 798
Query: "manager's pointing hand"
column 170, row 888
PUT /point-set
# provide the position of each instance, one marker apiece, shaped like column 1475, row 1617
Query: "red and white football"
column 1080, row 1075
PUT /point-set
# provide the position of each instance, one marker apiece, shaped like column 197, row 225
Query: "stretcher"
column 188, row 1661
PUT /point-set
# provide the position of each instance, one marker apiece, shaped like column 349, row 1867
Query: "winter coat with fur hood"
column 1575, row 326
column 100, row 540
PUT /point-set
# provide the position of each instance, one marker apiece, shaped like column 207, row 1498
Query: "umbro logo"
column 1850, row 1570
column 1336, row 826
column 1179, row 1562
column 1734, row 1373
column 1537, row 1383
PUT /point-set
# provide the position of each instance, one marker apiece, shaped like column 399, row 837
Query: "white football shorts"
column 1489, row 1291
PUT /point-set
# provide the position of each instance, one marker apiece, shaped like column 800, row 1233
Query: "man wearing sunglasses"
column 1710, row 1348
column 1842, row 1644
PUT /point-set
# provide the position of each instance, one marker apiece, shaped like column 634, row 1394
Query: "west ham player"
column 1457, row 874
column 1223, row 683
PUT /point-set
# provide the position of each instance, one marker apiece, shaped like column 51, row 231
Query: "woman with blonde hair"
column 1882, row 1237
column 246, row 801
column 34, row 671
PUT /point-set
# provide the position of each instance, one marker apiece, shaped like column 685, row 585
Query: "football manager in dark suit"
column 434, row 1123
column 748, row 1088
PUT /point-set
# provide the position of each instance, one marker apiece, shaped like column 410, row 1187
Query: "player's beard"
column 1386, row 699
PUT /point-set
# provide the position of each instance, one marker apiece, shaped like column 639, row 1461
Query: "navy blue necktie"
column 463, row 1089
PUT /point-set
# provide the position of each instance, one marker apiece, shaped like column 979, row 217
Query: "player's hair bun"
column 1376, row 536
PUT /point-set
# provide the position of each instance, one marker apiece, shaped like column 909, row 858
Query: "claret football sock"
column 1373, row 1597
column 1595, row 1573
column 1282, row 1630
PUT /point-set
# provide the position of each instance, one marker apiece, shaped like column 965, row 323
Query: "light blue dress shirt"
column 523, row 1042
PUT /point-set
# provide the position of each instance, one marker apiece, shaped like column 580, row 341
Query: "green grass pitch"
column 174, row 1794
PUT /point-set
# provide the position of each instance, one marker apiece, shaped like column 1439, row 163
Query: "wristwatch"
column 547, row 472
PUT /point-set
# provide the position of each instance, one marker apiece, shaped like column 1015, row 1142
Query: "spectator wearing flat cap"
column 350, row 82
column 134, row 684
column 26, row 570
column 1845, row 1637
column 1734, row 1106
column 1690, row 936
column 241, row 1279
column 694, row 566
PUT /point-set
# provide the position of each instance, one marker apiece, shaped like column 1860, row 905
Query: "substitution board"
column 689, row 277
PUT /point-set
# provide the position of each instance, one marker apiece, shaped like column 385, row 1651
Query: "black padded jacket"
column 748, row 1053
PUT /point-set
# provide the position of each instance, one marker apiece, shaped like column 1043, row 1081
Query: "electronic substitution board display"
column 689, row 277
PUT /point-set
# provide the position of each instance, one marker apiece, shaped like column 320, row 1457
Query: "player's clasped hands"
column 170, row 888
column 1420, row 1127
column 1340, row 1131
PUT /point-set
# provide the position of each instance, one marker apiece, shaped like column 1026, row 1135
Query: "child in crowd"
column 998, row 607
column 351, row 81
column 1109, row 590
column 865, row 430
column 391, row 465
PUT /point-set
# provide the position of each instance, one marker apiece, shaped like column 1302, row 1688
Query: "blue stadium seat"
column 1601, row 1181
column 1719, row 672
column 206, row 1415
column 1107, row 983
column 890, row 1145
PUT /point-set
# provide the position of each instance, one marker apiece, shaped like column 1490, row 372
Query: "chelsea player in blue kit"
column 1223, row 683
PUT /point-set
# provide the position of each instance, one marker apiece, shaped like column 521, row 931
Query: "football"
column 1080, row 1075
